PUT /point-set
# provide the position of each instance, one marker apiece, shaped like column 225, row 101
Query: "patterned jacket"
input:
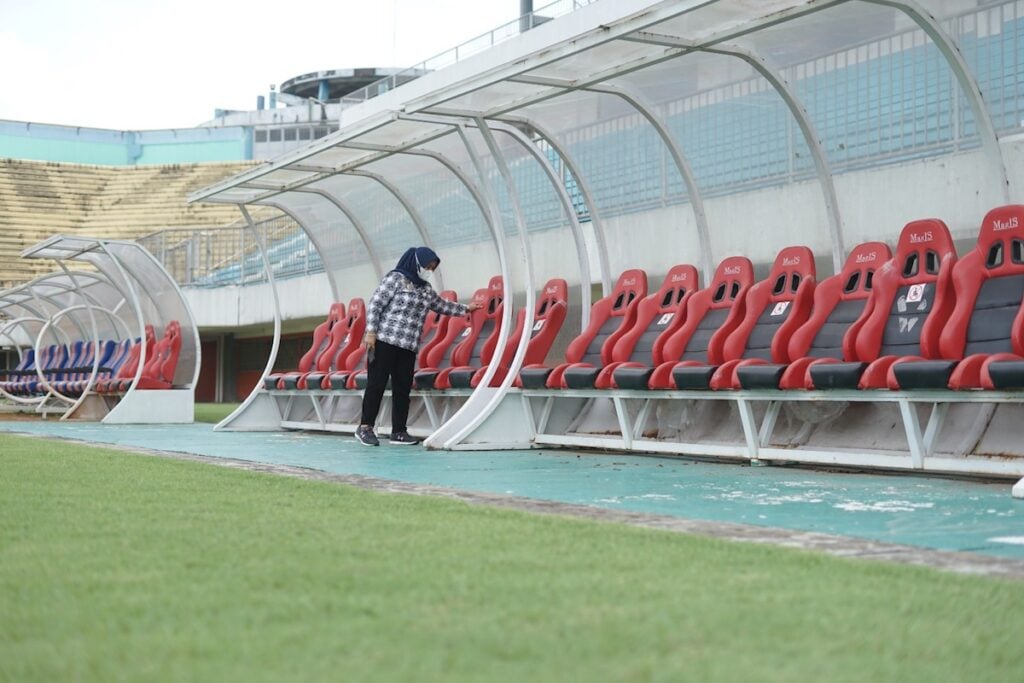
column 398, row 309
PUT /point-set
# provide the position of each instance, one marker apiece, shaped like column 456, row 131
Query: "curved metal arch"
column 566, row 202
column 36, row 297
column 57, row 333
column 584, row 186
column 136, row 301
column 95, row 340
column 275, row 345
column 95, row 366
column 951, row 51
column 21, row 320
column 439, row 438
column 492, row 400
column 126, row 296
column 417, row 219
column 288, row 212
column 57, row 306
column 478, row 197
column 371, row 251
column 115, row 319
column 810, row 133
column 188, row 310
column 639, row 102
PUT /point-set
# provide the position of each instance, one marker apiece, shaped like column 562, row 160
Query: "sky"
column 146, row 64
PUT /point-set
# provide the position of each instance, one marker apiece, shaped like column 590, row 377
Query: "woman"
column 394, row 323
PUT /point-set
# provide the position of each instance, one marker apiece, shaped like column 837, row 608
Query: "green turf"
column 115, row 566
column 213, row 412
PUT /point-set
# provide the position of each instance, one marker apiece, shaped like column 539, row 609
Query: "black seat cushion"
column 424, row 379
column 581, row 378
column 362, row 379
column 290, row 382
column 270, row 383
column 632, row 378
column 924, row 374
column 314, row 379
column 534, row 378
column 461, row 379
column 1007, row 374
column 693, row 377
column 760, row 376
column 837, row 375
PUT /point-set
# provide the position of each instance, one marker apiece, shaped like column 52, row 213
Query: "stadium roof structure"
column 624, row 73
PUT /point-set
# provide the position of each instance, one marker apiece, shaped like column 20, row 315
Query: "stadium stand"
column 38, row 199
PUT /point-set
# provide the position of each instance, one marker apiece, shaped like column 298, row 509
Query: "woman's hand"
column 474, row 306
column 370, row 340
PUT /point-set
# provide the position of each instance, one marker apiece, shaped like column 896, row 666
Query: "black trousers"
column 395, row 363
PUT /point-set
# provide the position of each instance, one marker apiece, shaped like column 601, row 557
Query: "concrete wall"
column 244, row 306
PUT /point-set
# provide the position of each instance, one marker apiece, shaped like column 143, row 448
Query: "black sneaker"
column 403, row 439
column 365, row 436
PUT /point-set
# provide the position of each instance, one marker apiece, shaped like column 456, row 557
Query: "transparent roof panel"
column 162, row 302
column 238, row 195
column 989, row 38
column 631, row 178
column 553, row 248
column 455, row 221
column 723, row 18
column 389, row 226
column 285, row 176
column 889, row 95
column 400, row 132
column 333, row 234
column 738, row 135
column 598, row 59
column 448, row 207
column 333, row 157
column 497, row 97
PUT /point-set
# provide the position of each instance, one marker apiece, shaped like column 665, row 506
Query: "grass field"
column 213, row 412
column 116, row 566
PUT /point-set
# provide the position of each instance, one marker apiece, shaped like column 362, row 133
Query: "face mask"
column 424, row 273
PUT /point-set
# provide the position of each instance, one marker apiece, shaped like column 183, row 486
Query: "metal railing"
column 471, row 47
column 215, row 257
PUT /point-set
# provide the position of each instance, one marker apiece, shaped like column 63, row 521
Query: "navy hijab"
column 412, row 260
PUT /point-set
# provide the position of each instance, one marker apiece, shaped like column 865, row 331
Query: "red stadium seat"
column 344, row 351
column 441, row 354
column 549, row 314
column 610, row 318
column 321, row 340
column 774, row 309
column 986, row 327
column 158, row 373
column 125, row 374
column 658, row 316
column 477, row 347
column 711, row 315
column 912, row 299
column 841, row 305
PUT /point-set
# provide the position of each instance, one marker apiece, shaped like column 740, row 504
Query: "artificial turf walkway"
column 116, row 566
